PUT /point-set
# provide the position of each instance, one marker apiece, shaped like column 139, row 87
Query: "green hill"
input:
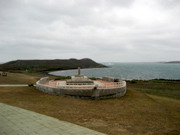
column 49, row 65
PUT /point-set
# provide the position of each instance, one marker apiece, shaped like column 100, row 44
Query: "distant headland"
column 49, row 65
column 172, row 62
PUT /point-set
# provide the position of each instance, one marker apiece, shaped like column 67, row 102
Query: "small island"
column 173, row 62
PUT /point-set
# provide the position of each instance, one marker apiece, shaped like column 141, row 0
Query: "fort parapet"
column 80, row 86
column 100, row 90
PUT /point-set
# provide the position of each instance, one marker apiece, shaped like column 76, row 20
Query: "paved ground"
column 100, row 85
column 17, row 121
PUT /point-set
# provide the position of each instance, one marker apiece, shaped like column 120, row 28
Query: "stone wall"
column 84, row 94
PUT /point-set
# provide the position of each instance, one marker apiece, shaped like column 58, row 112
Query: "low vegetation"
column 138, row 112
column 62, row 78
column 167, row 88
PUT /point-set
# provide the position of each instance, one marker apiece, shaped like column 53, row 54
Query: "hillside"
column 49, row 65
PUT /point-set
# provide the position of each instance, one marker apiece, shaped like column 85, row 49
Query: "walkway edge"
column 18, row 121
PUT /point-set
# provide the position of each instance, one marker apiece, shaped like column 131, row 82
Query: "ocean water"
column 129, row 71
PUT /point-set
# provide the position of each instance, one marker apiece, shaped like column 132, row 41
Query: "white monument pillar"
column 79, row 71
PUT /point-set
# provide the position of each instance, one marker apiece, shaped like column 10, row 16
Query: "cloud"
column 115, row 30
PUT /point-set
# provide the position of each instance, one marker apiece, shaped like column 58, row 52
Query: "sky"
column 103, row 30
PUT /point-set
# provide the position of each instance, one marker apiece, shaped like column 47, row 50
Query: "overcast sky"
column 103, row 30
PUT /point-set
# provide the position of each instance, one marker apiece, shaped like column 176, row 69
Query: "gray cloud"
column 104, row 30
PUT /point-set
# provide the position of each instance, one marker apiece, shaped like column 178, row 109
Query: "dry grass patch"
column 18, row 78
column 135, row 113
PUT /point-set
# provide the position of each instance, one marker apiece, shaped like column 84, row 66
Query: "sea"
column 130, row 71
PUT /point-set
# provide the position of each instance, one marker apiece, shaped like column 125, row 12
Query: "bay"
column 129, row 71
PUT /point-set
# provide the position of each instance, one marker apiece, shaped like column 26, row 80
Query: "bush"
column 62, row 78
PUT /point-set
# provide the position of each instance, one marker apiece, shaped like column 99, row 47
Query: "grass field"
column 157, row 87
column 135, row 113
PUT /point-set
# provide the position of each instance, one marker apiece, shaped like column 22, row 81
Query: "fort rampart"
column 84, row 93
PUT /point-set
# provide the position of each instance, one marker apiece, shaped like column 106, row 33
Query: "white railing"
column 79, row 84
column 109, row 85
column 75, row 86
column 113, row 85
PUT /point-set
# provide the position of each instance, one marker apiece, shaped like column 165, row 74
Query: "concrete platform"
column 17, row 121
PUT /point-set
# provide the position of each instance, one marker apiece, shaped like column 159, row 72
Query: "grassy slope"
column 22, row 78
column 157, row 87
column 135, row 113
column 17, row 78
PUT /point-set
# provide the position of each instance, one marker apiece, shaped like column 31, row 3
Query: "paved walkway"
column 13, row 85
column 17, row 121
